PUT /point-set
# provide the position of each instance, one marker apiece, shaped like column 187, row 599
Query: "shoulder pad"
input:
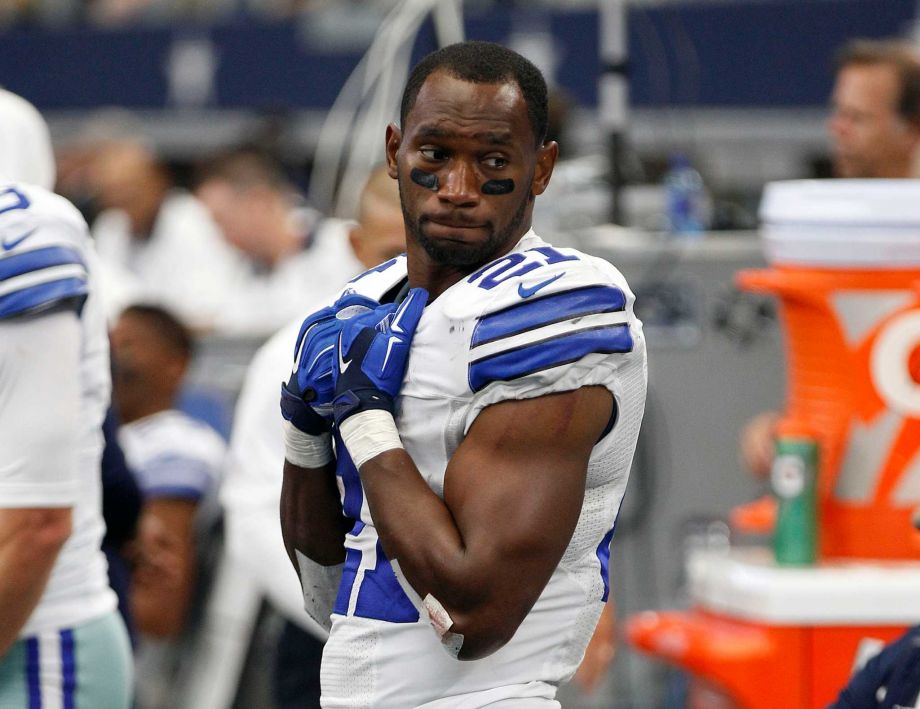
column 375, row 282
column 543, row 308
column 42, row 242
column 524, row 276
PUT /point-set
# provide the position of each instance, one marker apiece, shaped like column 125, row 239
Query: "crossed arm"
column 513, row 488
column 513, row 494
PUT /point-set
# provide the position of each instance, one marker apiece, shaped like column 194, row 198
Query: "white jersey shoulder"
column 43, row 251
column 173, row 455
column 538, row 320
column 379, row 280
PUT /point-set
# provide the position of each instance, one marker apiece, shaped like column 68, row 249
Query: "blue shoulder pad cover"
column 33, row 280
column 551, row 348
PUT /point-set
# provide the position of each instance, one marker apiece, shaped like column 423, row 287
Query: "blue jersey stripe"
column 172, row 471
column 603, row 555
column 33, row 673
column 381, row 597
column 68, row 668
column 42, row 295
column 183, row 492
column 349, row 573
column 546, row 310
column 37, row 259
column 552, row 352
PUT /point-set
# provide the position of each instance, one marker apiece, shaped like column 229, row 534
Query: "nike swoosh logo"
column 393, row 340
column 343, row 365
column 9, row 245
column 525, row 292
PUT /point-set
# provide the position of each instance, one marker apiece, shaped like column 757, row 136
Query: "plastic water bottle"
column 686, row 198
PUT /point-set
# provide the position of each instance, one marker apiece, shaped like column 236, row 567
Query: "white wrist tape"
column 368, row 434
column 305, row 450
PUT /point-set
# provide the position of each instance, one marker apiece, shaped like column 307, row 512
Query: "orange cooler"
column 845, row 258
column 845, row 265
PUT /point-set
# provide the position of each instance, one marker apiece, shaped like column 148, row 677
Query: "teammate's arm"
column 39, row 424
column 512, row 496
column 30, row 540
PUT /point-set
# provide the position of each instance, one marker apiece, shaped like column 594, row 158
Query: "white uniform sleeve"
column 559, row 341
column 39, row 410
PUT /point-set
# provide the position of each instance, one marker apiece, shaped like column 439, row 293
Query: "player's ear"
column 393, row 141
column 356, row 240
column 546, row 160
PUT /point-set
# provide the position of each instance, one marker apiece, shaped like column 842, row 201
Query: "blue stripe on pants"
column 68, row 668
column 33, row 675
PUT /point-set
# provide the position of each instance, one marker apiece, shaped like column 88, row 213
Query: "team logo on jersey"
column 526, row 292
column 9, row 244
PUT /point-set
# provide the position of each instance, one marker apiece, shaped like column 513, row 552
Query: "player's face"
column 142, row 366
column 868, row 136
column 468, row 170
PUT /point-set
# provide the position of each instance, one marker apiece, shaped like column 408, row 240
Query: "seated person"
column 177, row 461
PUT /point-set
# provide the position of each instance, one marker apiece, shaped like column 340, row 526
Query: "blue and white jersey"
column 173, row 455
column 536, row 321
column 43, row 245
column 47, row 264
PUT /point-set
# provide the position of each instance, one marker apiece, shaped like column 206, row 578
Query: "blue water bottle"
column 686, row 198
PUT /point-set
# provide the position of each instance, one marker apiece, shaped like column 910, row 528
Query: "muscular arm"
column 311, row 515
column 30, row 540
column 513, row 494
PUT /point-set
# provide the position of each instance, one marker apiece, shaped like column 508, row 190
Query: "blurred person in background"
column 875, row 119
column 158, row 243
column 874, row 129
column 62, row 641
column 178, row 461
column 294, row 255
column 252, row 486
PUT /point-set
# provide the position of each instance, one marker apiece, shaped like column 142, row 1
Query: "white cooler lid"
column 842, row 223
column 747, row 584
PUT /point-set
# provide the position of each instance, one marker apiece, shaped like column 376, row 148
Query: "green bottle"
column 794, row 481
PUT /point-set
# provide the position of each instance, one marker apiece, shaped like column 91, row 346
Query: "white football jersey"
column 47, row 262
column 536, row 321
column 173, row 455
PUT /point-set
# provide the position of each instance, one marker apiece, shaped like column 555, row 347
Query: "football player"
column 484, row 393
column 62, row 642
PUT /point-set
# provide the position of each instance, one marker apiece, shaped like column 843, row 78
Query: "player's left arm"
column 513, row 494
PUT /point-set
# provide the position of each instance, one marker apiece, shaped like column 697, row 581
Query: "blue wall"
column 751, row 54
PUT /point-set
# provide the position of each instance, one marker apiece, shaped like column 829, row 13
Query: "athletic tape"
column 368, row 434
column 304, row 450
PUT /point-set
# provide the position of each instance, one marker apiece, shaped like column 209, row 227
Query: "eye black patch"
column 424, row 179
column 498, row 187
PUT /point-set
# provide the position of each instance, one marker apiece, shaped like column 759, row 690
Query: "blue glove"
column 371, row 356
column 306, row 399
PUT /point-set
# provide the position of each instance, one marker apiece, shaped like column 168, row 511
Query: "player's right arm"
column 39, row 425
column 312, row 522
